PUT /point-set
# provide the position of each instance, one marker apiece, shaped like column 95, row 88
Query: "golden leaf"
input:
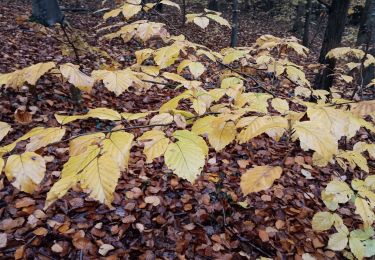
column 25, row 171
column 118, row 146
column 259, row 178
column 4, row 129
column 75, row 77
column 34, row 72
column 222, row 133
column 45, row 137
column 155, row 144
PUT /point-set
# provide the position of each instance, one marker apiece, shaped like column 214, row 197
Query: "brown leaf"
column 9, row 224
column 263, row 235
column 24, row 202
column 23, row 117
column 41, row 231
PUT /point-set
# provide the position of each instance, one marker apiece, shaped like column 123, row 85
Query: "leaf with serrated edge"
column 118, row 146
column 155, row 144
column 185, row 159
column 44, row 138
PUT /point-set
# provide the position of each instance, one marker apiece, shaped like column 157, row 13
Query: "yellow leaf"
column 100, row 177
column 2, row 163
column 220, row 20
column 259, row 178
column 221, row 133
column 129, row 10
column 364, row 108
column 364, row 210
column 196, row 68
column 116, row 81
column 166, row 56
column 14, row 79
column 322, row 221
column 356, row 247
column 134, row 116
column 4, row 129
column 355, row 159
column 63, row 120
column 258, row 102
column 185, row 159
column 260, row 125
column 117, row 146
column 338, row 241
column 302, row 91
column 112, row 13
column 208, row 54
column 148, row 30
column 202, row 21
column 233, row 55
column 173, row 103
column 45, row 137
column 316, row 138
column 74, row 76
column 81, row 144
column 170, row 3
column 203, row 125
column 8, row 148
column 151, row 70
column 298, row 48
column 25, row 171
column 191, row 137
column 340, row 190
column 280, row 105
column 155, row 144
column 143, row 55
column 104, row 114
column 69, row 175
column 34, row 72
column 161, row 119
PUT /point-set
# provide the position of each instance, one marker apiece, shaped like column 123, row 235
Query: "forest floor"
column 201, row 221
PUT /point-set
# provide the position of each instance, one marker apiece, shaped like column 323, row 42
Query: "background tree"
column 235, row 11
column 337, row 17
column 306, row 30
column 46, row 12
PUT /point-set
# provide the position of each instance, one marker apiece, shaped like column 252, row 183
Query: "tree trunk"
column 235, row 11
column 306, row 31
column 213, row 5
column 298, row 22
column 332, row 39
column 366, row 36
column 183, row 12
column 46, row 12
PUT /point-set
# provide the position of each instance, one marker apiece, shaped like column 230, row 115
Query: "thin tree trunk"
column 306, row 31
column 234, row 36
column 298, row 22
column 332, row 39
column 183, row 12
column 366, row 36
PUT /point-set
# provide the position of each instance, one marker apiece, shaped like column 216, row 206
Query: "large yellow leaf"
column 173, row 103
column 261, row 125
column 185, row 159
column 118, row 146
column 354, row 158
column 74, row 76
column 365, row 211
column 116, row 81
column 148, row 30
column 143, row 55
column 356, row 247
column 4, row 129
column 25, row 171
column 34, row 72
column 63, row 119
column 166, row 56
column 280, row 105
column 100, row 178
column 134, row 116
column 327, row 117
column 259, row 178
column 222, row 133
column 155, row 144
column 188, row 136
column 315, row 137
column 45, row 137
column 161, row 119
